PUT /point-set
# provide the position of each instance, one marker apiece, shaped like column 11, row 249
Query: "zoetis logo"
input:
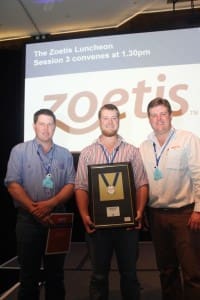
column 117, row 96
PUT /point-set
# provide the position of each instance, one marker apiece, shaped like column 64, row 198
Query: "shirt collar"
column 153, row 138
column 119, row 141
column 39, row 146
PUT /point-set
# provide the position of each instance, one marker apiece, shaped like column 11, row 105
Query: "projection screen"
column 76, row 77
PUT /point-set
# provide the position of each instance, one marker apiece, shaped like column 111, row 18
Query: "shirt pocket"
column 176, row 159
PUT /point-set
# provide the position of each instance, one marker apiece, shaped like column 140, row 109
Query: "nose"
column 46, row 127
column 110, row 120
column 159, row 117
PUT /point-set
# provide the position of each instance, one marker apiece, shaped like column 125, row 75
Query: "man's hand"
column 194, row 221
column 41, row 209
column 138, row 221
column 89, row 225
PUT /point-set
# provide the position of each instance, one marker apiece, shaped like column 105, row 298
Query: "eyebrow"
column 109, row 117
column 160, row 113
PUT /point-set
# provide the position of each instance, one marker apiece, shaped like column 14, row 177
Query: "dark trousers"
column 31, row 241
column 102, row 244
column 177, row 250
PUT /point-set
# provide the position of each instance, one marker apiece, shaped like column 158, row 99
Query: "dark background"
column 11, row 97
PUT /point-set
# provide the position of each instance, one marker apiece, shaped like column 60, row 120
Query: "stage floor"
column 78, row 270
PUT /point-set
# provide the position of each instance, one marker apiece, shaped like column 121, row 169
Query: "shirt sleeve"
column 193, row 153
column 139, row 172
column 81, row 180
column 14, row 167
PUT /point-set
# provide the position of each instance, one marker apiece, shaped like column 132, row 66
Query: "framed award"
column 59, row 233
column 112, row 195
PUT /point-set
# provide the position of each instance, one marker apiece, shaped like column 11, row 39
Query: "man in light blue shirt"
column 40, row 178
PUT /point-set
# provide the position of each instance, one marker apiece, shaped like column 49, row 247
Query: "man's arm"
column 41, row 209
column 45, row 207
column 141, row 200
column 82, row 201
column 19, row 195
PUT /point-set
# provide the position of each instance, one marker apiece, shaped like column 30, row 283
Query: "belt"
column 171, row 209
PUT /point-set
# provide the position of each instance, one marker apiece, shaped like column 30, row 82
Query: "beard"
column 109, row 133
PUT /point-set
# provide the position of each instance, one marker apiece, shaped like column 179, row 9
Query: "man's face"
column 109, row 122
column 160, row 119
column 44, row 128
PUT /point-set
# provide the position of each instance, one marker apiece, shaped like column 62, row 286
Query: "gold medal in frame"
column 112, row 195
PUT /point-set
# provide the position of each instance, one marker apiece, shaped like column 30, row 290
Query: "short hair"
column 159, row 101
column 43, row 111
column 109, row 106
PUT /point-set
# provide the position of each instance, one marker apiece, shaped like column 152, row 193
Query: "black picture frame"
column 112, row 195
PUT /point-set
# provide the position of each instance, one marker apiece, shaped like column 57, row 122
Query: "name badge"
column 48, row 182
column 157, row 175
